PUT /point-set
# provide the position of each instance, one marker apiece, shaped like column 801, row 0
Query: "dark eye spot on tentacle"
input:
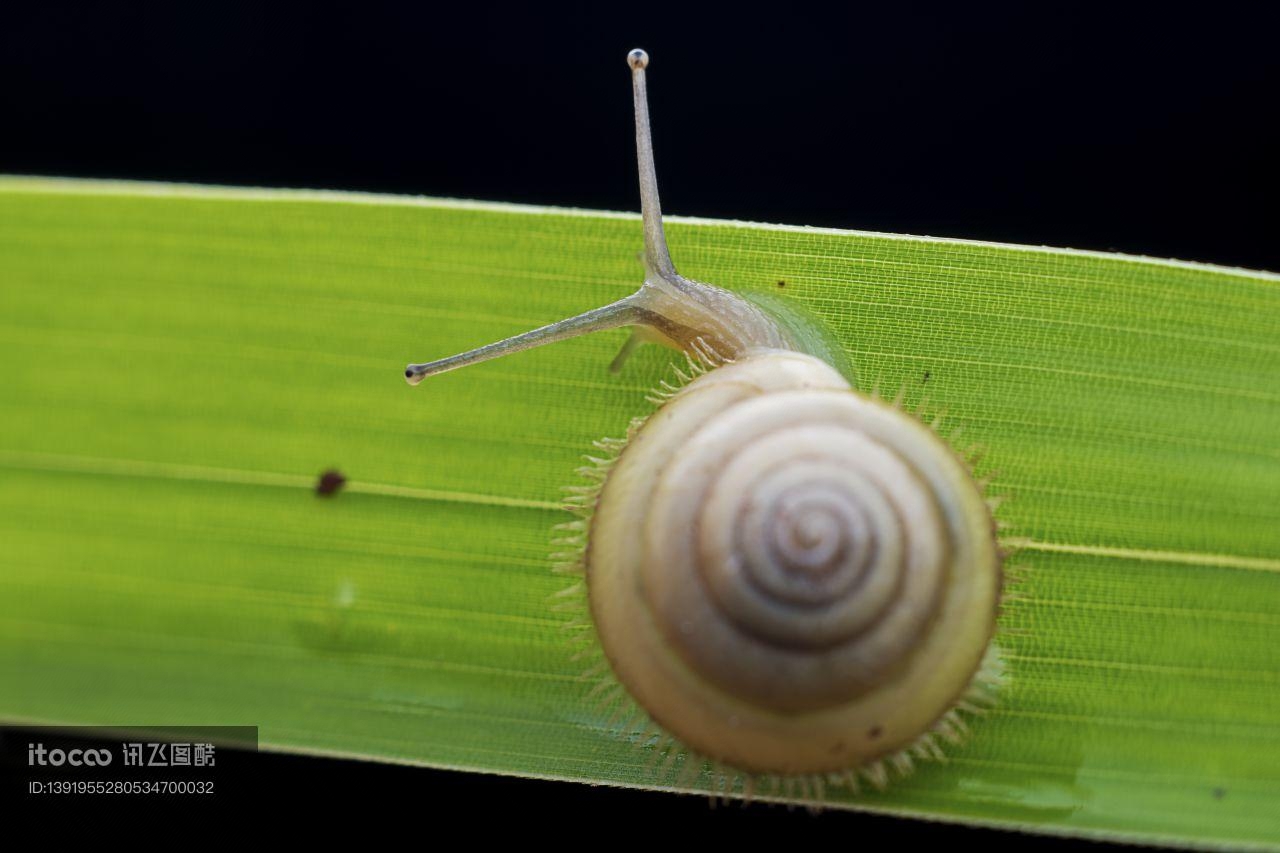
column 875, row 732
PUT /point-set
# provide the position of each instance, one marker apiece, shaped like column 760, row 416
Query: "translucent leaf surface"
column 179, row 364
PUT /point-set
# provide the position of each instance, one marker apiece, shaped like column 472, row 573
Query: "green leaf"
column 180, row 363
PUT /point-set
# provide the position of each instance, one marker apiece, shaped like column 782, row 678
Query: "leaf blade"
column 162, row 546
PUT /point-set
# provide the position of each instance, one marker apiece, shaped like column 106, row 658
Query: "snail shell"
column 787, row 575
column 790, row 576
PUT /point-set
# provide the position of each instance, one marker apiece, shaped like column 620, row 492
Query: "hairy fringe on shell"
column 670, row 762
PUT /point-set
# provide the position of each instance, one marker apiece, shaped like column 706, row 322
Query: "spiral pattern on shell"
column 790, row 576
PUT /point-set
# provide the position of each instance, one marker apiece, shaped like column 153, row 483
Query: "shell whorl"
column 790, row 576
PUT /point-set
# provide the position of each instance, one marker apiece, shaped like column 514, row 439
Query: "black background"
column 1150, row 131
column 1145, row 130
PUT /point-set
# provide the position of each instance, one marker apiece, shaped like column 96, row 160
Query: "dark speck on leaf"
column 926, row 377
column 1219, row 793
column 329, row 483
column 781, row 283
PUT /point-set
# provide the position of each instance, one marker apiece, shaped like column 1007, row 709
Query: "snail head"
column 668, row 308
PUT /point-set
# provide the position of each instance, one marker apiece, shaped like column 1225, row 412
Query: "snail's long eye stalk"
column 616, row 314
column 630, row 311
column 655, row 241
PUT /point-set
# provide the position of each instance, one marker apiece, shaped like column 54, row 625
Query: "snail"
column 790, row 578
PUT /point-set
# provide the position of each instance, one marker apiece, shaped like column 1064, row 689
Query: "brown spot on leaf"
column 781, row 283
column 329, row 483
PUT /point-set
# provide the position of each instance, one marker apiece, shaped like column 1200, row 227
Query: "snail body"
column 789, row 576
